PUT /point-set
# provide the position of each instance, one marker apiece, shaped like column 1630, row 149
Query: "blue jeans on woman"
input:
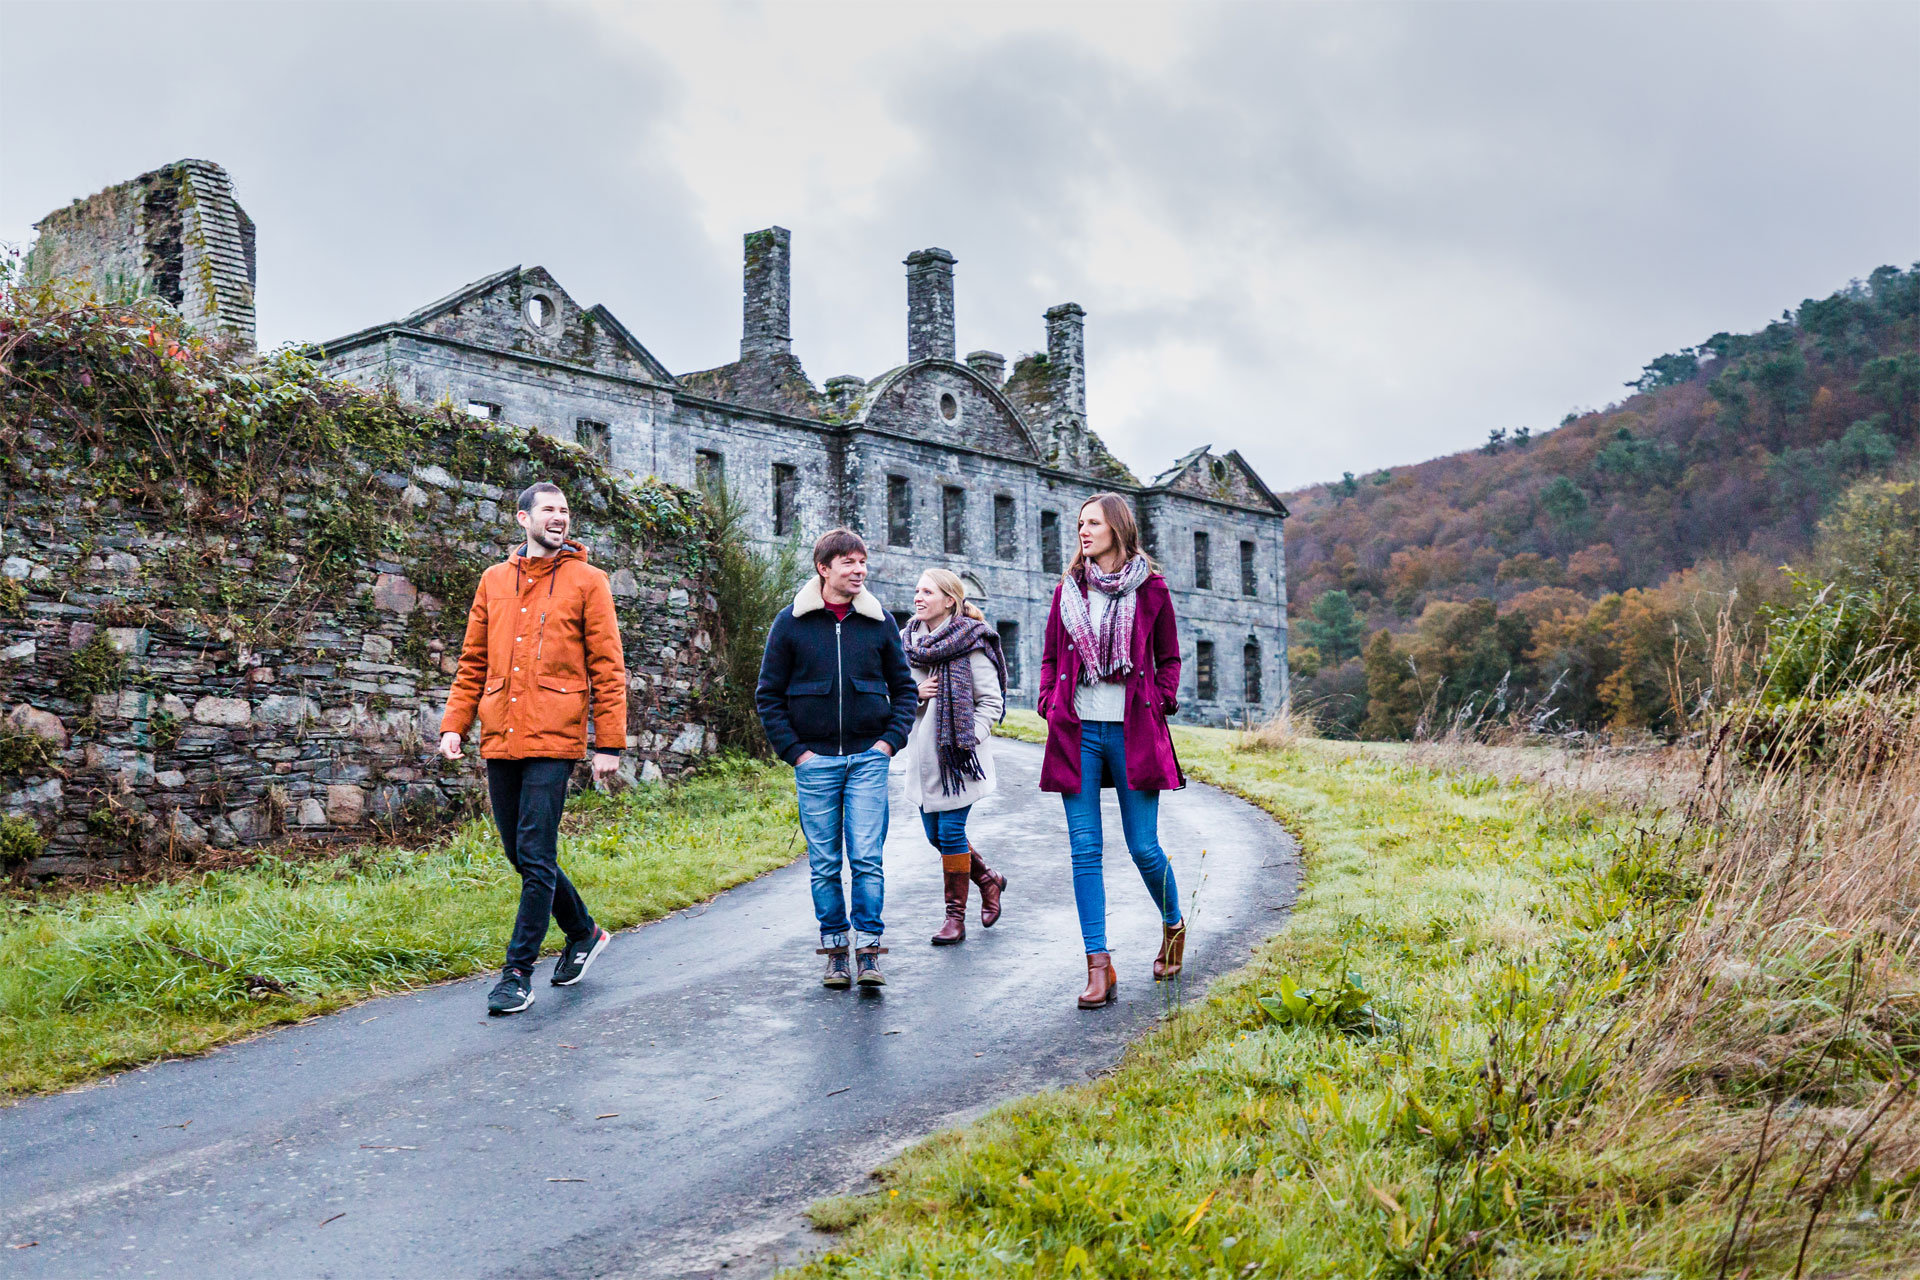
column 843, row 807
column 947, row 830
column 1103, row 746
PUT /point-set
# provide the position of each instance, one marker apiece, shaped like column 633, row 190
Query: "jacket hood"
column 866, row 604
column 538, row 564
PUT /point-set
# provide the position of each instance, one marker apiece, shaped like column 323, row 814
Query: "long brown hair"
column 1119, row 517
column 948, row 583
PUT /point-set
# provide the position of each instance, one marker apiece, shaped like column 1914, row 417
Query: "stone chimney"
column 929, row 305
column 844, row 391
column 1067, row 353
column 768, row 285
column 990, row 365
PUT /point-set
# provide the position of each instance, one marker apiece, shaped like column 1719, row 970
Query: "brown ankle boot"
column 1173, row 949
column 1101, row 984
column 954, row 929
column 991, row 882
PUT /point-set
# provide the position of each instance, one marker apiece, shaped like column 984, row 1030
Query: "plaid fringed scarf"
column 1108, row 655
column 944, row 653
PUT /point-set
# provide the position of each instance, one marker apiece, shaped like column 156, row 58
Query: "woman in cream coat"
column 961, row 674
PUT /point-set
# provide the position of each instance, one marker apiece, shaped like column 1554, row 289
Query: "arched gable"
column 946, row 403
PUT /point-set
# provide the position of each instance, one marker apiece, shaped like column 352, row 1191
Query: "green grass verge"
column 88, row 982
column 1499, row 932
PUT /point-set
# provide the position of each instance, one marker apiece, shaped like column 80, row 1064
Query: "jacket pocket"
column 563, row 705
column 812, row 709
column 869, row 707
column 493, row 704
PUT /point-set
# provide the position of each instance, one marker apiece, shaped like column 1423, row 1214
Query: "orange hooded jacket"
column 541, row 633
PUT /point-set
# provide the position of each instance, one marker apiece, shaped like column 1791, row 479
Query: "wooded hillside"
column 1719, row 468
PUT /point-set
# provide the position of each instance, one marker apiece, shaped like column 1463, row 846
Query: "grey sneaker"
column 869, row 966
column 576, row 956
column 510, row 995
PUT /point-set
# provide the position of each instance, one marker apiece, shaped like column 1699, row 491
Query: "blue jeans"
column 947, row 830
column 1103, row 744
column 843, row 805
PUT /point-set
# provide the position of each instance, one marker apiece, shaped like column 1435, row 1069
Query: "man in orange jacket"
column 541, row 638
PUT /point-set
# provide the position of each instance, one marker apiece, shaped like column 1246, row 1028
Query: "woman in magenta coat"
column 1109, row 675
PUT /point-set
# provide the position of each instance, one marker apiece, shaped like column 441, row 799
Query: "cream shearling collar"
column 866, row 604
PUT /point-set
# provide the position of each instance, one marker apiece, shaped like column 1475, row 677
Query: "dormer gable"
column 1221, row 478
column 525, row 311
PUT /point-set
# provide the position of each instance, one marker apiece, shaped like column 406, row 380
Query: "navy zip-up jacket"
column 831, row 687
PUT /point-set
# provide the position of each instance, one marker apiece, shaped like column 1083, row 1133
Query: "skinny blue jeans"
column 1103, row 744
column 843, row 806
column 947, row 830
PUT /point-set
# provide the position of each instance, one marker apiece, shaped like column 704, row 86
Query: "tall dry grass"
column 1767, row 1068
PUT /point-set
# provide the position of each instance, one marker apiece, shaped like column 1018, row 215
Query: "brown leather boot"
column 1101, row 984
column 1173, row 949
column 991, row 882
column 954, row 928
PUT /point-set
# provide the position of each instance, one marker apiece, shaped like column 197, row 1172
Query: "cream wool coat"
column 922, row 763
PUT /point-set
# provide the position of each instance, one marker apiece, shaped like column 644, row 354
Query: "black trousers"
column 527, row 797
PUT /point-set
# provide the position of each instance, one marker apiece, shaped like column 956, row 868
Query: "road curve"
column 673, row 1113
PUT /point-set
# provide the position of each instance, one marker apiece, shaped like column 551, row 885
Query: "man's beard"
column 549, row 541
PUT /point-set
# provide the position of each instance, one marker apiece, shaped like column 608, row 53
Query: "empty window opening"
column 485, row 410
column 596, row 438
column 786, row 499
column 1050, row 542
column 1203, row 670
column 538, row 311
column 1010, row 646
column 1006, row 545
column 709, row 470
column 1250, row 663
column 899, row 512
column 953, row 519
column 1202, row 565
column 949, row 407
column 1249, row 578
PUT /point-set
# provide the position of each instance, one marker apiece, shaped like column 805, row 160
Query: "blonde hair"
column 948, row 584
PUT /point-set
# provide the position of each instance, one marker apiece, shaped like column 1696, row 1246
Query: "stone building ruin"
column 962, row 463
column 176, row 233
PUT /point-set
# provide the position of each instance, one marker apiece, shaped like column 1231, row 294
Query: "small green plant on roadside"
column 1345, row 1006
column 13, row 598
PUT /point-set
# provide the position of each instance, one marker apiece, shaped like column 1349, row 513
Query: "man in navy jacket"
column 836, row 699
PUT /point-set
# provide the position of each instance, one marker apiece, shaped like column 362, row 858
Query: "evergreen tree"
column 1334, row 629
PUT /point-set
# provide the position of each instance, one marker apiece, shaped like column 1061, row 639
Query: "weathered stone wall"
column 192, row 687
column 176, row 233
column 1223, row 612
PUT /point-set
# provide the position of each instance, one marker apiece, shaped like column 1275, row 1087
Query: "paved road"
column 414, row 1136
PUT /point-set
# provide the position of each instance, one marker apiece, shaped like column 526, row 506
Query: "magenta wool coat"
column 1152, row 695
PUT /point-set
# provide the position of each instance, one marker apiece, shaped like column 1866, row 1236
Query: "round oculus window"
column 540, row 313
column 949, row 407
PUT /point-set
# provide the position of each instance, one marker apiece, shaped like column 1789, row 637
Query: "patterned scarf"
column 1109, row 655
column 945, row 653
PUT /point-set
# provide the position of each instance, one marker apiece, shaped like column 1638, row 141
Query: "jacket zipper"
column 840, row 686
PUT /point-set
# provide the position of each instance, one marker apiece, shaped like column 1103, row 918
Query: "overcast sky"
column 1335, row 237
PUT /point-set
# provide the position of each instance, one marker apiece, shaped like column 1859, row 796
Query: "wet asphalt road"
column 673, row 1113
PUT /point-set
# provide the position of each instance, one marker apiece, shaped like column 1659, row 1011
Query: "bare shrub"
column 1280, row 731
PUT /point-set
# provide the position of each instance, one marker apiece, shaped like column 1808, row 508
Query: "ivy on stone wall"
column 120, row 404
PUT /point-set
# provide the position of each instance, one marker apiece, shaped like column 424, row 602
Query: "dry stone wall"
column 172, row 685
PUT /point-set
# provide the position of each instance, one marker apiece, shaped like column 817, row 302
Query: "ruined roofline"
column 1164, row 482
column 412, row 324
